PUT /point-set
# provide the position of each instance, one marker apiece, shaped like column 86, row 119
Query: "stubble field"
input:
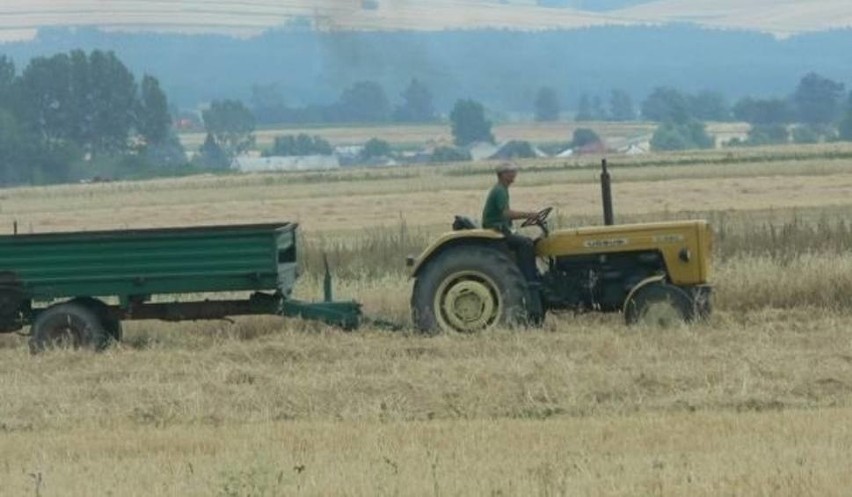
column 754, row 402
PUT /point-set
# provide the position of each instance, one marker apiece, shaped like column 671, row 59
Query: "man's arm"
column 517, row 215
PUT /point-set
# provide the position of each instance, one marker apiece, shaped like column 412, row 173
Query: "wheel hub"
column 662, row 314
column 468, row 304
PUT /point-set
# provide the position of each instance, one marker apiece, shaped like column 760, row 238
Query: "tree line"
column 80, row 110
column 362, row 102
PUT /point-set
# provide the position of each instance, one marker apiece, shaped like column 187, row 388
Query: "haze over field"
column 21, row 19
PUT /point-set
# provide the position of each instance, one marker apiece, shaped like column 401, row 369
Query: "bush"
column 289, row 146
column 806, row 134
column 686, row 136
column 376, row 148
column 517, row 149
column 772, row 134
column 450, row 154
column 583, row 137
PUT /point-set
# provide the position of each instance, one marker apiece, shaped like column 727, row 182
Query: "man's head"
column 506, row 173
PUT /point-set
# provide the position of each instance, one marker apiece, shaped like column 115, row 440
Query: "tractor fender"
column 452, row 239
column 660, row 278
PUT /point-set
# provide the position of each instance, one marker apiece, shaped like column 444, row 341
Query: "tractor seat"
column 462, row 223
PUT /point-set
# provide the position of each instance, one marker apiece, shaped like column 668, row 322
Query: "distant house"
column 635, row 149
column 300, row 163
column 349, row 155
column 597, row 147
column 480, row 151
column 509, row 150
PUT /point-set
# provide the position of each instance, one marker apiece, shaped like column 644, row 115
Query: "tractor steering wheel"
column 539, row 219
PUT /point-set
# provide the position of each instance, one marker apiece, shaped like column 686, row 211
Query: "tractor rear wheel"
column 659, row 305
column 68, row 325
column 468, row 289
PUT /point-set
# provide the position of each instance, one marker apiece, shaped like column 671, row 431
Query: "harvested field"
column 616, row 134
column 250, row 17
column 753, row 402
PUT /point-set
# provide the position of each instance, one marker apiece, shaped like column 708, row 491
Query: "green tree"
column 153, row 120
column 807, row 134
column 289, row 146
column 7, row 81
column 584, row 109
column 46, row 103
column 666, row 105
column 364, row 102
column 211, row 155
column 231, row 125
column 682, row 136
column 547, row 106
column 621, row 106
column 709, row 106
column 90, row 100
column 763, row 111
column 418, row 106
column 768, row 134
column 583, row 137
column 168, row 152
column 14, row 150
column 110, row 102
column 598, row 110
column 517, row 149
column 845, row 127
column 376, row 148
column 449, row 154
column 469, row 124
column 817, row 99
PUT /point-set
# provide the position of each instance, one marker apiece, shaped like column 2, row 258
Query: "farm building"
column 300, row 163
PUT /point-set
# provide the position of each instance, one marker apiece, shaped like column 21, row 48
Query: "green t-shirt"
column 495, row 205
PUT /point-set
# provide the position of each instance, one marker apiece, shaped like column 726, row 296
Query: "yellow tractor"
column 654, row 273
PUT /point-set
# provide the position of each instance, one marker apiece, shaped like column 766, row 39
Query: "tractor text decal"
column 608, row 243
column 668, row 239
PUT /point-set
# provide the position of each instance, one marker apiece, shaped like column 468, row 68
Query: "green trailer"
column 74, row 289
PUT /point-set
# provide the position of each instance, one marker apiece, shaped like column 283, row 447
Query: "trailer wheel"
column 68, row 326
column 660, row 305
column 468, row 289
column 110, row 323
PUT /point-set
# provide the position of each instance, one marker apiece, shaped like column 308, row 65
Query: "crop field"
column 783, row 17
column 755, row 401
column 615, row 134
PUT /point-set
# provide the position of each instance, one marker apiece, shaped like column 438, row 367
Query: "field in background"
column 251, row 17
column 615, row 134
column 754, row 402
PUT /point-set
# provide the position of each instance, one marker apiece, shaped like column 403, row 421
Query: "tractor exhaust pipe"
column 606, row 193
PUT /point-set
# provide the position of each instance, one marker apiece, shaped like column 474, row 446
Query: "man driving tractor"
column 498, row 215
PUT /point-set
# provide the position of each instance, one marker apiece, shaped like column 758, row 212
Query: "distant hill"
column 504, row 69
column 21, row 19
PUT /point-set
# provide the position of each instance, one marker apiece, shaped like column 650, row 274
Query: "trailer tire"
column 467, row 289
column 68, row 325
column 111, row 324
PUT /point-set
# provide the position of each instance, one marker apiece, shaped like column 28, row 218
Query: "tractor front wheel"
column 660, row 305
column 467, row 289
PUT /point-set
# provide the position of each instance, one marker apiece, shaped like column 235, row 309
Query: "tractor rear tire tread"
column 492, row 261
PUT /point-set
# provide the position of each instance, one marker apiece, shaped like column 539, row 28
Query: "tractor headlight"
column 685, row 255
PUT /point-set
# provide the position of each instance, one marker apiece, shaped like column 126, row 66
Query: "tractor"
column 653, row 273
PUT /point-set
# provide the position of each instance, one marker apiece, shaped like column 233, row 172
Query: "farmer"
column 498, row 216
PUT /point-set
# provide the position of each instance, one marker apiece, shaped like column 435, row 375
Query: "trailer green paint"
column 63, row 280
